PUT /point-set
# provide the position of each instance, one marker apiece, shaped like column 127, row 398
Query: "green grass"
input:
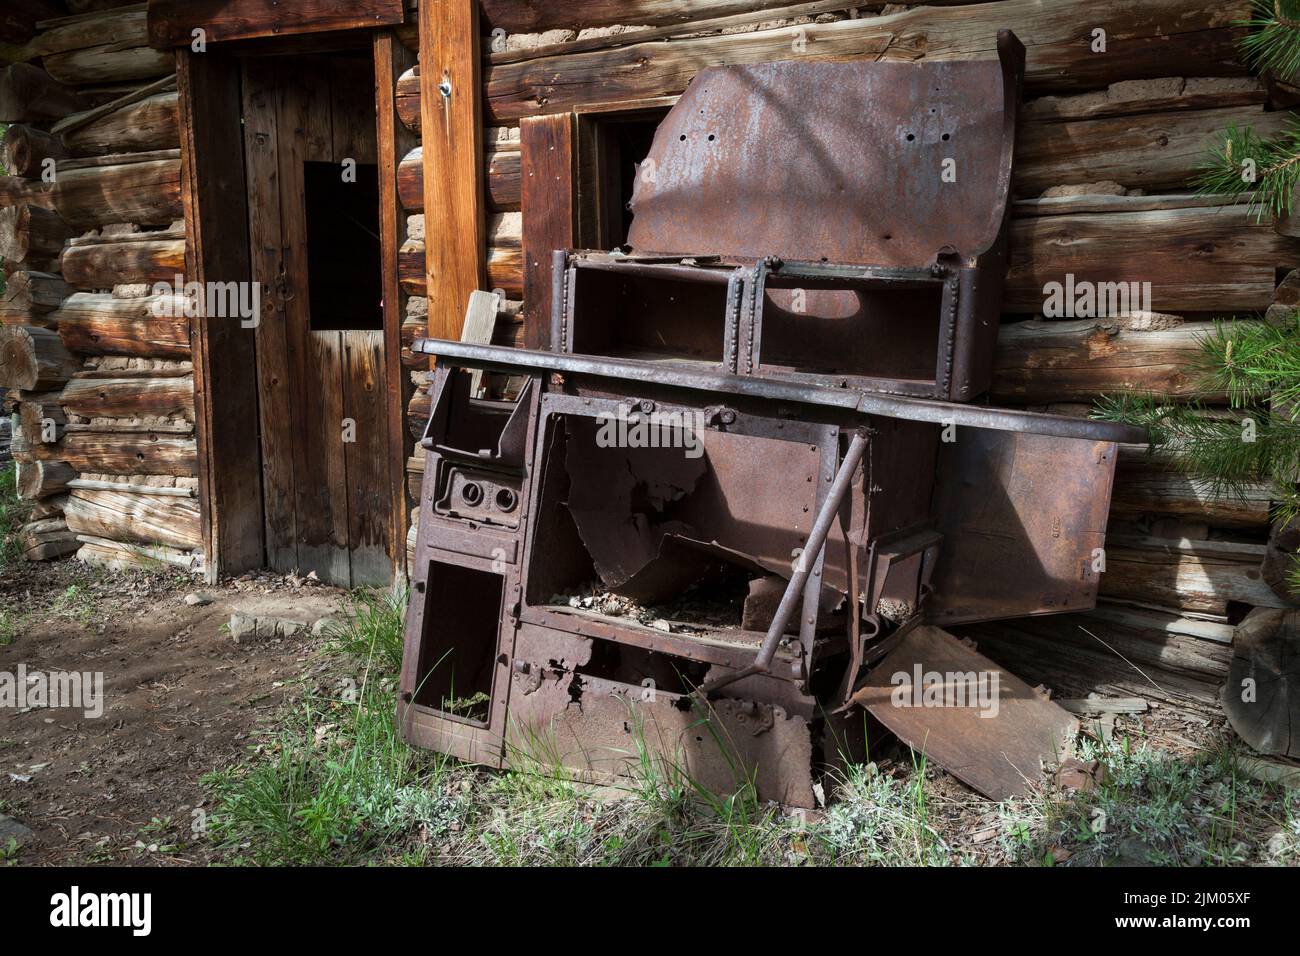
column 335, row 784
column 13, row 514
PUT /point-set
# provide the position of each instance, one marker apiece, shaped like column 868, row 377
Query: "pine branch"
column 1273, row 44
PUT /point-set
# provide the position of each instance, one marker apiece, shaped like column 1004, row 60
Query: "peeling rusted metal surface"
column 804, row 317
column 833, row 162
column 983, row 725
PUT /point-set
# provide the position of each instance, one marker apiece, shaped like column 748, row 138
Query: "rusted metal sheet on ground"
column 986, row 727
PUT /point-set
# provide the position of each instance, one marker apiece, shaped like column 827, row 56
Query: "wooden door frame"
column 214, row 196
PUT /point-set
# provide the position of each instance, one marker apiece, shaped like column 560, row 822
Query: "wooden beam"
column 1200, row 259
column 172, row 22
column 455, row 260
column 394, row 141
column 225, row 392
column 548, row 164
column 1155, row 38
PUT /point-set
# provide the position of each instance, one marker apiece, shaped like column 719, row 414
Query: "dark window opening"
column 614, row 146
column 344, row 270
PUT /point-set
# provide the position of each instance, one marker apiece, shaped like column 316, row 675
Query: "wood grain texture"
column 453, row 160
column 148, row 257
column 394, row 140
column 93, row 323
column 172, row 22
column 216, row 214
column 549, row 198
column 1155, row 38
column 1040, row 362
column 1199, row 259
column 275, row 409
column 166, row 397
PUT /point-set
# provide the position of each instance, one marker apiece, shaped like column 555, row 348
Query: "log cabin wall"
column 99, row 376
column 1107, row 149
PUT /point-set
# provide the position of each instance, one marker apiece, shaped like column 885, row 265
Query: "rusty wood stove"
column 748, row 481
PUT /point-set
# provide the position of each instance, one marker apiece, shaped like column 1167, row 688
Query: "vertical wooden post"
column 548, row 150
column 225, row 369
column 395, row 141
column 452, row 137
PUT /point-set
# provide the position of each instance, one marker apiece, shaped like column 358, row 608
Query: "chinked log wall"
column 100, row 382
column 1108, row 147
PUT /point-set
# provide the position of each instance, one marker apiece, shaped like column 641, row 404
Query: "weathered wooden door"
column 309, row 140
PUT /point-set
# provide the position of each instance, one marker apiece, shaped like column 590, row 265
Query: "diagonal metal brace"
column 794, row 589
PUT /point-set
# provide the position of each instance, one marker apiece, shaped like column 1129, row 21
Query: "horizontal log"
column 15, row 190
column 43, row 479
column 1147, row 488
column 407, row 98
column 1149, row 96
column 137, row 258
column 135, row 488
column 27, row 293
column 47, row 540
column 1040, row 362
column 505, row 269
column 118, row 556
column 1193, row 576
column 1158, row 38
column 1092, row 651
column 146, row 193
column 98, row 324
column 29, row 94
column 172, row 22
column 33, row 359
column 125, row 27
column 31, row 234
column 26, row 149
column 503, row 184
column 147, row 125
column 1203, row 259
column 144, row 519
column 109, row 63
column 171, row 397
column 18, row 20
column 1146, row 151
column 541, row 15
column 145, row 453
column 42, row 420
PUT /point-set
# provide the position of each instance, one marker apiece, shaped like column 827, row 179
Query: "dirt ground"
column 181, row 698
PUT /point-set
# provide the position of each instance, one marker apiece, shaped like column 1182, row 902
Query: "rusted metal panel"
column 746, row 476
column 1024, row 521
column 834, row 162
column 985, row 726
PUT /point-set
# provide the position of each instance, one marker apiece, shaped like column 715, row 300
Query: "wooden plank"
column 453, row 160
column 1147, row 96
column 548, row 152
column 1204, row 259
column 213, row 190
column 173, row 22
column 315, row 370
column 394, row 140
column 1154, row 38
column 1063, row 360
column 274, row 382
column 1147, row 151
column 539, row 15
column 370, row 484
column 120, row 453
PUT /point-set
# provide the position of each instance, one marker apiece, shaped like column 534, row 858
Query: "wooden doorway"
column 313, row 226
